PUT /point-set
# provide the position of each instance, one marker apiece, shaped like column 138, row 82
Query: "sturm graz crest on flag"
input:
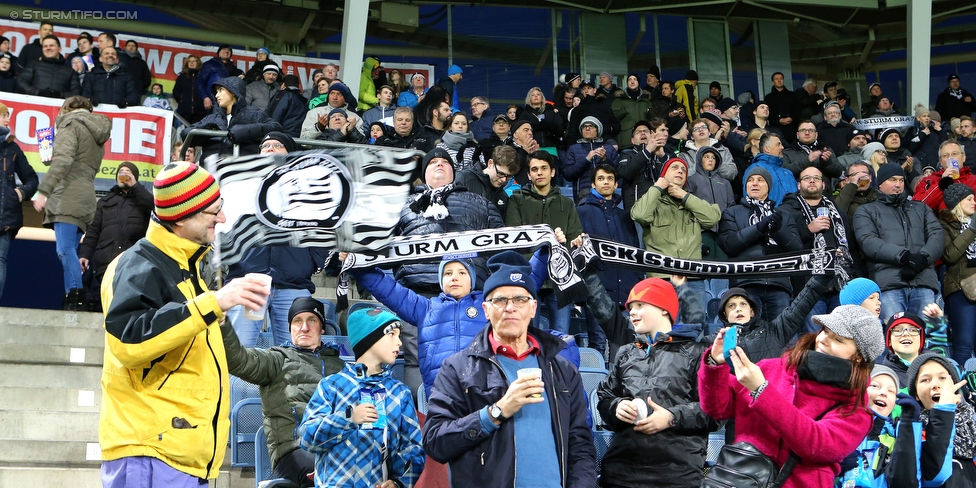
column 313, row 191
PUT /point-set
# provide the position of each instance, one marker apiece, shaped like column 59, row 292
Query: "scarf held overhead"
column 400, row 250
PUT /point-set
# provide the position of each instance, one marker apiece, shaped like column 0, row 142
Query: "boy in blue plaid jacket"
column 361, row 422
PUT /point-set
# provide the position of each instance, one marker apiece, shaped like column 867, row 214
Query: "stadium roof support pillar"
column 919, row 51
column 354, row 18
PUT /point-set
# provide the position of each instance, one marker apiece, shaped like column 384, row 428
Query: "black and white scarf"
column 956, row 93
column 971, row 250
column 432, row 202
column 844, row 260
column 760, row 210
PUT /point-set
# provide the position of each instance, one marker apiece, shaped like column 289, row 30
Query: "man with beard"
column 807, row 152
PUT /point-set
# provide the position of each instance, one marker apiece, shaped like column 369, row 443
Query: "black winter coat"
column 666, row 371
column 547, row 125
column 30, row 54
column 742, row 240
column 638, row 171
column 475, row 180
column 288, row 108
column 488, row 145
column 116, row 87
column 471, row 380
column 834, row 137
column 467, row 211
column 248, row 125
column 783, row 104
column 138, row 70
column 14, row 165
column 121, row 219
column 949, row 106
column 602, row 218
column 597, row 107
column 8, row 81
column 189, row 105
column 49, row 77
column 925, row 147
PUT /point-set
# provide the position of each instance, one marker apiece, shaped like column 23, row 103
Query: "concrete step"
column 31, row 316
column 48, row 424
column 48, row 354
column 78, row 376
column 33, row 452
column 50, row 477
column 58, row 399
column 51, row 335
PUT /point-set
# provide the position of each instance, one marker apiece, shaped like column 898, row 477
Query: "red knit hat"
column 657, row 292
column 907, row 318
column 671, row 161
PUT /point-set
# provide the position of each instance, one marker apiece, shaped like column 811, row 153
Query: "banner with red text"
column 139, row 134
column 165, row 58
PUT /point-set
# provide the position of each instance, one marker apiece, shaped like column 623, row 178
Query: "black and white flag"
column 347, row 198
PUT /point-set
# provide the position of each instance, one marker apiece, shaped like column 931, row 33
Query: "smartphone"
column 730, row 342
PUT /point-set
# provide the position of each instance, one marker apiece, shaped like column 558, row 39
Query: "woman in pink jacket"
column 775, row 403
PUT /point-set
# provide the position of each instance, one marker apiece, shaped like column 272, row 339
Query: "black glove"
column 917, row 261
column 50, row 93
column 233, row 135
column 909, row 407
column 770, row 223
column 907, row 274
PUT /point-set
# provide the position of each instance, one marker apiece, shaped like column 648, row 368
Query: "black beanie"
column 916, row 365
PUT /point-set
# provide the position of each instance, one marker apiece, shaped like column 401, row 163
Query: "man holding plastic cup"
column 508, row 406
column 165, row 409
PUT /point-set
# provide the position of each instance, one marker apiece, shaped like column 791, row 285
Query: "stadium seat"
column 262, row 466
column 591, row 358
column 265, row 340
column 422, row 400
column 245, row 419
column 592, row 378
column 345, row 349
column 240, row 389
column 330, row 311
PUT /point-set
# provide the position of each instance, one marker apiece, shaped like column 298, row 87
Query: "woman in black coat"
column 190, row 106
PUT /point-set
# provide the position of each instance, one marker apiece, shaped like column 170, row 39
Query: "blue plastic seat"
column 245, row 419
column 262, row 465
column 591, row 358
column 592, row 378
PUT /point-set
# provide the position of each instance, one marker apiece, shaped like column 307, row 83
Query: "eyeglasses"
column 643, row 132
column 700, row 128
column 807, row 131
column 502, row 302
column 499, row 174
column 911, row 331
column 954, row 154
column 215, row 212
column 272, row 145
column 811, row 178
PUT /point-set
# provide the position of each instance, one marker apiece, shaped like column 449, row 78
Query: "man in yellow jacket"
column 165, row 391
column 686, row 93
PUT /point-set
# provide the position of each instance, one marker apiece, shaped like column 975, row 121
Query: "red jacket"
column 929, row 191
column 782, row 419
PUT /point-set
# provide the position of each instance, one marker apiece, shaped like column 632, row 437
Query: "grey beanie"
column 871, row 148
column 916, row 365
column 759, row 170
column 955, row 193
column 592, row 120
column 858, row 324
column 880, row 369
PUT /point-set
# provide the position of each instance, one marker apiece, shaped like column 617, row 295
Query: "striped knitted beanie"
column 181, row 190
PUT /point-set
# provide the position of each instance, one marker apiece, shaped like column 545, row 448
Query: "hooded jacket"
column 247, row 126
column 121, row 219
column 14, row 166
column 666, row 371
column 367, row 89
column 69, row 182
column 287, row 376
column 259, row 94
column 742, row 240
column 674, row 227
column 49, row 77
column 891, row 226
column 709, row 185
column 686, row 95
column 604, row 219
column 212, row 71
column 138, row 70
column 781, row 418
column 471, row 380
column 115, row 87
column 725, row 166
column 165, row 389
column 189, row 103
column 783, row 180
column 288, row 108
column 629, row 110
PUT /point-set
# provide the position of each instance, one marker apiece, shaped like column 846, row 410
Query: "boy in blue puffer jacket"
column 448, row 322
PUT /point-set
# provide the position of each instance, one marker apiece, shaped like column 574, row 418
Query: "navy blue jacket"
column 472, row 380
column 481, row 128
column 604, row 219
column 289, row 267
column 288, row 108
column 189, row 104
column 211, row 71
column 14, row 164
column 116, row 87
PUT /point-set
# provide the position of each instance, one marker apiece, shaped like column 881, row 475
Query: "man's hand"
column 678, row 280
column 84, row 264
column 246, row 291
column 951, row 173
column 818, row 224
column 560, row 235
column 908, row 164
column 342, row 256
column 386, row 484
column 363, row 413
column 926, row 131
column 520, row 394
column 323, row 121
column 662, row 183
column 658, row 420
column 676, row 191
column 533, row 146
column 626, row 411
column 932, row 310
column 813, row 156
column 578, row 241
column 825, row 154
column 207, row 104
column 40, row 202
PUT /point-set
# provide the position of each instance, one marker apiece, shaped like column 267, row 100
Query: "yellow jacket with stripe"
column 165, row 390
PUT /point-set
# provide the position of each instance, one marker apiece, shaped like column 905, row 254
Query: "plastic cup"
column 261, row 312
column 823, row 212
column 641, row 409
column 531, row 373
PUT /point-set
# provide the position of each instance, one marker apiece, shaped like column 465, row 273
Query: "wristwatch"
column 495, row 412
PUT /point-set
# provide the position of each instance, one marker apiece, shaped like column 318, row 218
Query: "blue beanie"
column 510, row 268
column 454, row 70
column 858, row 290
column 264, row 50
column 467, row 264
column 368, row 325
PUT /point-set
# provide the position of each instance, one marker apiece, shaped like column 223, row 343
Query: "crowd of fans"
column 821, row 362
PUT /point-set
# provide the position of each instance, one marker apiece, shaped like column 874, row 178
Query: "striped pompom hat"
column 181, row 190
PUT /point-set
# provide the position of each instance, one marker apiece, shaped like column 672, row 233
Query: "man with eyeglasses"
column 856, row 189
column 165, row 390
column 952, row 159
column 491, row 179
column 820, row 225
column 507, row 410
column 481, row 119
column 807, row 151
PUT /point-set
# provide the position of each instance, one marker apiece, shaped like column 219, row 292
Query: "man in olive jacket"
column 288, row 375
